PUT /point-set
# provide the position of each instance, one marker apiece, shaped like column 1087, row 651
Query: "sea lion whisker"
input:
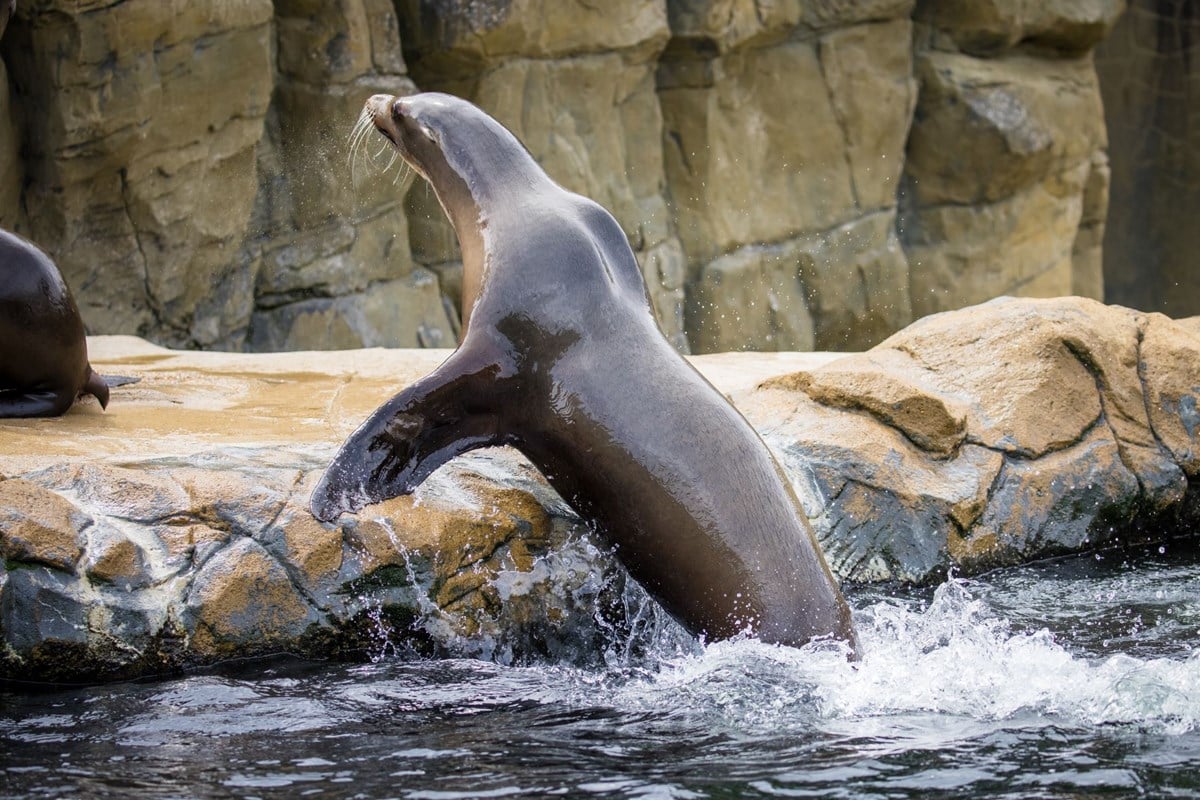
column 356, row 134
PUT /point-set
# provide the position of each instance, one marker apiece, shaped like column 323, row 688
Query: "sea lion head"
column 468, row 157
column 478, row 169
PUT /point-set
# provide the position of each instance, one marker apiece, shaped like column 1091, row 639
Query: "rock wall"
column 1006, row 179
column 791, row 175
column 1150, row 76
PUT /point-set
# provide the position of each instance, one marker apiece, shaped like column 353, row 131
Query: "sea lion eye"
column 429, row 134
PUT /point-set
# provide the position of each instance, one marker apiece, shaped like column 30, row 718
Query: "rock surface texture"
column 173, row 530
column 791, row 175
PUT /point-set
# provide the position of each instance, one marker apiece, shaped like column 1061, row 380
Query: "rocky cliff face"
column 791, row 175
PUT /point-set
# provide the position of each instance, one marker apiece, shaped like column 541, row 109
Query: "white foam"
column 954, row 660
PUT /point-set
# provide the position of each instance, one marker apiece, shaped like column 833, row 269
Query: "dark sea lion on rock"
column 43, row 353
column 562, row 358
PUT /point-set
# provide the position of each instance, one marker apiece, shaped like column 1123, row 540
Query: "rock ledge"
column 172, row 531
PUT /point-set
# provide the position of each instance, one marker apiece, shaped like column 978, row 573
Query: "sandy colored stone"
column 241, row 502
column 881, row 384
column 736, row 136
column 986, row 128
column 460, row 36
column 188, row 543
column 40, row 526
column 136, row 495
column 1025, row 391
column 701, row 25
column 869, row 72
column 242, row 600
column 1004, row 180
column 402, row 313
column 116, row 559
column 141, row 197
column 1021, row 246
column 310, row 546
column 834, row 290
column 990, row 26
column 752, row 299
column 1170, row 370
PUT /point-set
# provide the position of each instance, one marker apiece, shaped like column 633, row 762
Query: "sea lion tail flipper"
column 446, row 413
column 96, row 386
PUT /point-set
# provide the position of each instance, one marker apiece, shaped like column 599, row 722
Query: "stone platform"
column 172, row 530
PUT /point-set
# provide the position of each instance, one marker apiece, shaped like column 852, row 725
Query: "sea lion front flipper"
column 43, row 403
column 448, row 412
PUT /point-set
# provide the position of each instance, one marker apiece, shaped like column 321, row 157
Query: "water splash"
column 952, row 659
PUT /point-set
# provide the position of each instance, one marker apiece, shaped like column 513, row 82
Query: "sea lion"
column 562, row 358
column 43, row 353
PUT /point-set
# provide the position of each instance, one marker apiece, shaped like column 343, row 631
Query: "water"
column 1074, row 679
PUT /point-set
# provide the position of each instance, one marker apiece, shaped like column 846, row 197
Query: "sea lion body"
column 562, row 358
column 43, row 351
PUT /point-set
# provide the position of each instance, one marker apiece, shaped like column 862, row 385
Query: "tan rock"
column 310, row 547
column 185, row 543
column 139, row 196
column 40, row 526
column 1087, row 262
column 752, row 299
column 1022, row 246
column 116, row 559
column 858, row 278
column 1170, row 372
column 700, row 25
column 137, row 495
column 401, row 313
column 988, row 128
column 664, row 267
column 869, row 72
column 459, row 37
column 724, row 25
column 884, row 384
column 1015, row 362
column 735, row 136
column 989, row 26
column 242, row 600
column 833, row 290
